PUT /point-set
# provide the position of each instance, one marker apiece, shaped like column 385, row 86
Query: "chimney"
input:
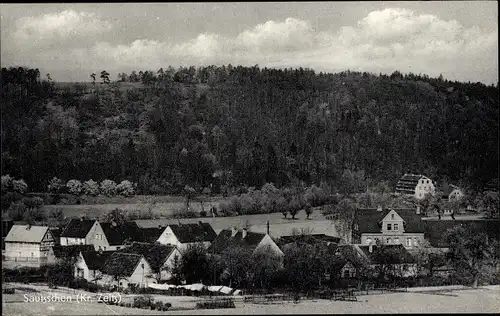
column 233, row 231
column 418, row 209
column 379, row 208
column 244, row 233
column 268, row 227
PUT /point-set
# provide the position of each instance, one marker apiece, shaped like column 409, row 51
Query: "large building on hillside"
column 388, row 226
column 83, row 232
column 415, row 185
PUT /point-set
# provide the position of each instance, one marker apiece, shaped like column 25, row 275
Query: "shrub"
column 220, row 303
column 74, row 187
column 16, row 211
column 55, row 185
column 9, row 291
column 125, row 188
column 108, row 187
column 19, row 186
column 91, row 188
column 6, row 183
column 203, row 213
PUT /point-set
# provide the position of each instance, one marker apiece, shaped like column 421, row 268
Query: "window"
column 118, row 248
column 396, row 227
column 368, row 241
column 96, row 236
column 389, row 226
column 104, row 247
column 415, row 241
column 408, row 241
column 396, row 241
column 427, row 181
column 389, row 240
column 346, row 273
column 392, row 216
column 32, row 254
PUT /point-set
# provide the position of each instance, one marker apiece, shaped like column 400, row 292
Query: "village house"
column 388, row 226
column 126, row 269
column 27, row 245
column 348, row 262
column 89, row 264
column 416, row 185
column 255, row 242
column 183, row 235
column 390, row 259
column 160, row 257
column 119, row 235
column 60, row 253
column 83, row 232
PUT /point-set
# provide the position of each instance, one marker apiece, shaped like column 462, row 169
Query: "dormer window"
column 389, row 226
column 396, row 227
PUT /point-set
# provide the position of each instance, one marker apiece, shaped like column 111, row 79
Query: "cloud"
column 382, row 41
column 50, row 29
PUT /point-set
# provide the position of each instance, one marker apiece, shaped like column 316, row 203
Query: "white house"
column 126, row 269
column 89, row 264
column 160, row 257
column 84, row 232
column 27, row 245
column 183, row 235
column 416, row 185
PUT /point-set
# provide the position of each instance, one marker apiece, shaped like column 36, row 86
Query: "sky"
column 70, row 41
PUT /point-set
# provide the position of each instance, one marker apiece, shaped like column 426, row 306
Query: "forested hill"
column 247, row 126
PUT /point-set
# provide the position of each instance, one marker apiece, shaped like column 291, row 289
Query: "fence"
column 270, row 298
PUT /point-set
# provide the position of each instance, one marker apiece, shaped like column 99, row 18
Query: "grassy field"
column 481, row 300
column 279, row 226
column 161, row 206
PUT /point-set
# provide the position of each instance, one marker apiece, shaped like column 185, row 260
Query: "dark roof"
column 446, row 189
column 70, row 251
column 435, row 230
column 155, row 254
column 121, row 264
column 150, row 234
column 117, row 234
column 313, row 238
column 387, row 254
column 77, row 228
column 95, row 259
column 368, row 220
column 187, row 233
column 348, row 253
column 407, row 183
column 225, row 240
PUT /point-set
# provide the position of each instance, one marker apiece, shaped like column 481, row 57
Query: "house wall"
column 81, row 270
column 416, row 239
column 267, row 243
column 424, row 186
column 455, row 195
column 168, row 238
column 97, row 237
column 165, row 275
column 68, row 241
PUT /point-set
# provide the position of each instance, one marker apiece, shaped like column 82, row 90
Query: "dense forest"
column 219, row 127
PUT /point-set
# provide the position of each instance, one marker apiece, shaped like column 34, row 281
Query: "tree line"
column 228, row 127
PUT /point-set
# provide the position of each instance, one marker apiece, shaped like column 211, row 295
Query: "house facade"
column 126, row 269
column 84, row 232
column 416, row 185
column 388, row 226
column 184, row 235
column 256, row 242
column 28, row 246
column 119, row 235
column 89, row 264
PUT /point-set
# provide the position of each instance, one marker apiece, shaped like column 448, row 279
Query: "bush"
column 55, row 185
column 125, row 188
column 16, row 211
column 19, row 186
column 91, row 188
column 203, row 213
column 6, row 183
column 219, row 303
column 108, row 187
column 74, row 187
column 9, row 291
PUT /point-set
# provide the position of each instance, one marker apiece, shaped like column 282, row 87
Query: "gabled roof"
column 117, row 234
column 312, row 238
column 225, row 240
column 447, row 188
column 121, row 264
column 387, row 254
column 77, row 228
column 70, row 251
column 408, row 182
column 188, row 233
column 348, row 253
column 95, row 260
column 56, row 232
column 368, row 220
column 26, row 233
column 155, row 254
column 435, row 230
column 151, row 234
